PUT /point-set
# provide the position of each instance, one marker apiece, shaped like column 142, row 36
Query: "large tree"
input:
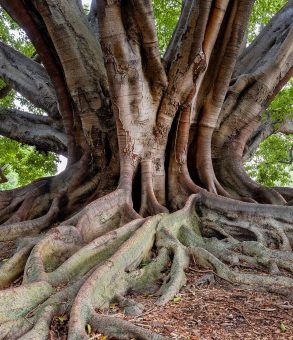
column 155, row 151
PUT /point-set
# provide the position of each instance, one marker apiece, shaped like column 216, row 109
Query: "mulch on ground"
column 215, row 311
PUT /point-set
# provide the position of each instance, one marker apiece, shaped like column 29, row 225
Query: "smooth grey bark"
column 262, row 49
column 36, row 130
column 264, row 131
column 28, row 78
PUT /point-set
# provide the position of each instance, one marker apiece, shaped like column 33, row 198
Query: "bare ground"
column 207, row 311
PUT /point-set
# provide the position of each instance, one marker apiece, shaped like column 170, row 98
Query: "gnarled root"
column 31, row 227
column 81, row 269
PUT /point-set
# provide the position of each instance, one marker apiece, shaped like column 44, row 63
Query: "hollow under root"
column 81, row 269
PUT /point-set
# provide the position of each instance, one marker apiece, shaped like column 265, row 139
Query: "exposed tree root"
column 82, row 269
column 13, row 267
column 30, row 227
column 122, row 329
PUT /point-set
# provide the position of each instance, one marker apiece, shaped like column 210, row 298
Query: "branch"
column 264, row 67
column 136, row 23
column 30, row 20
column 185, row 57
column 4, row 91
column 132, row 58
column 187, row 39
column 3, row 178
column 263, row 132
column 28, row 78
column 84, row 70
column 267, row 45
column 31, row 129
column 204, row 46
column 223, row 59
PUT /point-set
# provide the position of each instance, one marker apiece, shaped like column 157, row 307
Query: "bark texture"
column 155, row 152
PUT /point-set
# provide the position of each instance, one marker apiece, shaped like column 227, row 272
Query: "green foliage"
column 271, row 163
column 269, row 166
column 281, row 107
column 7, row 101
column 12, row 35
column 166, row 13
column 25, row 163
column 262, row 13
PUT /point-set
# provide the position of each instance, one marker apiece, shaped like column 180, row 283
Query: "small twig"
column 211, row 271
column 143, row 314
column 29, row 321
column 201, row 271
column 242, row 314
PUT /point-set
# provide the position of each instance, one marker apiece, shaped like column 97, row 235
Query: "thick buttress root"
column 79, row 269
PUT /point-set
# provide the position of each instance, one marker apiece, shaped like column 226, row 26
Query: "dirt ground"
column 210, row 311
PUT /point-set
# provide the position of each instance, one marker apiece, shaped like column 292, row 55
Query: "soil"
column 207, row 308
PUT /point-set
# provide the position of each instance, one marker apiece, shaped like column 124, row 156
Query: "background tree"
column 155, row 159
column 24, row 163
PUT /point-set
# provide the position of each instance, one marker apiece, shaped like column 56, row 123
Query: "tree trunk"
column 155, row 159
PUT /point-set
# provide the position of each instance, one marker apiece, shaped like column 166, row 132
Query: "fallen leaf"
column 62, row 318
column 177, row 299
column 113, row 305
column 88, row 329
column 283, row 327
